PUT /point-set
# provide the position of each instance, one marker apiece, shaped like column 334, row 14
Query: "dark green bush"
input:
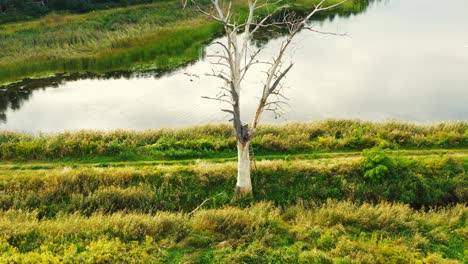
column 377, row 165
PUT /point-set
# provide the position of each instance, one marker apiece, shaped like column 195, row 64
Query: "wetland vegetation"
column 332, row 191
column 218, row 141
column 166, row 195
column 335, row 232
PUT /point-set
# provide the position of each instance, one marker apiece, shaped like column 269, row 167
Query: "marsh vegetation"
column 332, row 191
column 167, row 195
column 219, row 141
column 335, row 232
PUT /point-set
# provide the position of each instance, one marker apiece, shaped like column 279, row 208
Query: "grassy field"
column 322, row 194
column 160, row 35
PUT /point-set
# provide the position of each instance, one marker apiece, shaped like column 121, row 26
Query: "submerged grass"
column 160, row 35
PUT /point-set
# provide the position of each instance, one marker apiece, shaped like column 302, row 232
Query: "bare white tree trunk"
column 235, row 60
column 244, row 183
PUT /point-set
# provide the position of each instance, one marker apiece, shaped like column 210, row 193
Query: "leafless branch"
column 325, row 32
column 217, row 99
column 220, row 74
column 237, row 59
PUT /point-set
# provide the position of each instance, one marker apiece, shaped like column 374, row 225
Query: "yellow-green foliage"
column 219, row 141
column 335, row 232
column 383, row 206
column 421, row 182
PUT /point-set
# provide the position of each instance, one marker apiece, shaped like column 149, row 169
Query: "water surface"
column 401, row 59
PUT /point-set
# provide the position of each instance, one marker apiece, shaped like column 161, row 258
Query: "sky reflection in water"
column 402, row 60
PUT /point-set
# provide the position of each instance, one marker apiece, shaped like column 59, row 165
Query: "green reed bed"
column 179, row 46
column 218, row 141
column 128, row 41
column 334, row 232
column 161, row 35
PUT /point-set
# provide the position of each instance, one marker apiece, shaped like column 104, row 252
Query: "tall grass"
column 335, row 232
column 219, row 140
column 163, row 49
column 103, row 41
column 422, row 182
column 379, row 207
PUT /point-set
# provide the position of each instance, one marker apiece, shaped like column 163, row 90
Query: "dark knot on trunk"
column 244, row 133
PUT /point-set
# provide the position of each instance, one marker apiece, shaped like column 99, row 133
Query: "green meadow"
column 335, row 191
column 150, row 36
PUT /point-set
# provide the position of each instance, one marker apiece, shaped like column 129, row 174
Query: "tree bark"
column 237, row 58
column 244, row 183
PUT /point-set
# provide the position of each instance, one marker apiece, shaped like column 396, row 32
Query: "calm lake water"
column 402, row 59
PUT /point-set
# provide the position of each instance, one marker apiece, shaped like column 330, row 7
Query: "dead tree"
column 236, row 59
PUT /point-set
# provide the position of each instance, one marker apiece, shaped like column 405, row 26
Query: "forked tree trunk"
column 244, row 183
